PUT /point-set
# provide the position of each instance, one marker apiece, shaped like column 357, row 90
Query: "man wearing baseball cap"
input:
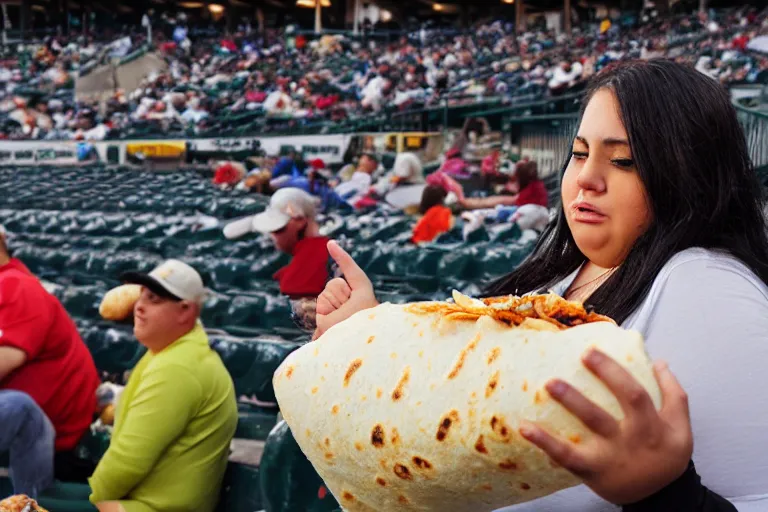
column 178, row 413
column 290, row 221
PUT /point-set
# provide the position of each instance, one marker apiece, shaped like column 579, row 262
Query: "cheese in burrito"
column 417, row 406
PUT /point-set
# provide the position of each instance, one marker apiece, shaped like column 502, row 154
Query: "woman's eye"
column 579, row 155
column 624, row 163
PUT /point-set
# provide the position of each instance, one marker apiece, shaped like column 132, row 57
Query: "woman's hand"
column 343, row 298
column 627, row 460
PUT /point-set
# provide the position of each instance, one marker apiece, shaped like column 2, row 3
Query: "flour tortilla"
column 405, row 411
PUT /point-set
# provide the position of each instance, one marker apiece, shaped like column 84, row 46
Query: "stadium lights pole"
column 147, row 23
column 318, row 16
column 356, row 22
column 520, row 16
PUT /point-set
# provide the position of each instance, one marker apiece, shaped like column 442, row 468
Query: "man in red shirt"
column 48, row 379
column 290, row 221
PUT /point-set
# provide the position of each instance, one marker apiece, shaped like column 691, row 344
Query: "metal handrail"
column 755, row 125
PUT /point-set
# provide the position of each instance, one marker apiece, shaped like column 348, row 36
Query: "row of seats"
column 100, row 189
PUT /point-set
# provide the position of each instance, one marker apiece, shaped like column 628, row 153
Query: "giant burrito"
column 417, row 406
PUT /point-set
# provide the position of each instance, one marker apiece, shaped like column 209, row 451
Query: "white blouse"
column 707, row 316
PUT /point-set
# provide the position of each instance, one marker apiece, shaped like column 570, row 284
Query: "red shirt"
column 534, row 193
column 226, row 175
column 59, row 373
column 307, row 273
column 436, row 221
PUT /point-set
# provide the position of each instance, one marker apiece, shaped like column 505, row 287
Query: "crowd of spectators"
column 256, row 81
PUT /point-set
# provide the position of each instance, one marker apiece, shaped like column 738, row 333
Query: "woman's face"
column 605, row 201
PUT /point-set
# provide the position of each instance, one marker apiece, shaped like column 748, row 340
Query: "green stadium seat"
column 289, row 483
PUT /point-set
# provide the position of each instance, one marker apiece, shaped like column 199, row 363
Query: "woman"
column 661, row 228
column 531, row 190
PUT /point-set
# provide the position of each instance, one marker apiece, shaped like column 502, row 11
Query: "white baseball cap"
column 173, row 279
column 286, row 204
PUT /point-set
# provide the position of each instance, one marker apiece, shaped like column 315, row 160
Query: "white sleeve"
column 710, row 323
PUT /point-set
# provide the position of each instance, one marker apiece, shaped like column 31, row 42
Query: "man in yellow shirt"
column 178, row 413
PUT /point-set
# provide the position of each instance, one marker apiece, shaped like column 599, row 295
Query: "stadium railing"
column 755, row 124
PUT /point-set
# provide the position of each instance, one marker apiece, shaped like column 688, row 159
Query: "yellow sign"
column 157, row 150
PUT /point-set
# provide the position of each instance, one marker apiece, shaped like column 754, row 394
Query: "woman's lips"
column 587, row 213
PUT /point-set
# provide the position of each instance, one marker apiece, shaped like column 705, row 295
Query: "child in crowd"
column 437, row 218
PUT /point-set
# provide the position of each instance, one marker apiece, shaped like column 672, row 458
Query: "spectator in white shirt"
column 358, row 186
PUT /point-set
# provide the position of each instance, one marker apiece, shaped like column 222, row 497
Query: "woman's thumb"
column 353, row 274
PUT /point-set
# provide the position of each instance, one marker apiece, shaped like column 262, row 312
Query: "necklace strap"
column 606, row 273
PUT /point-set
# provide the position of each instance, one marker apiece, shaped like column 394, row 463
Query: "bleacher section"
column 79, row 229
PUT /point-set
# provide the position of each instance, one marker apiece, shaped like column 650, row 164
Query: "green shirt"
column 173, row 428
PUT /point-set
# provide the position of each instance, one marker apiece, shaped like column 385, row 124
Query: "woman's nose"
column 591, row 176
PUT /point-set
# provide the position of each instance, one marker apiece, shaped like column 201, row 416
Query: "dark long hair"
column 432, row 196
column 691, row 155
column 527, row 173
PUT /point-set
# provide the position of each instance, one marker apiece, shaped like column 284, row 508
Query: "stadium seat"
column 288, row 481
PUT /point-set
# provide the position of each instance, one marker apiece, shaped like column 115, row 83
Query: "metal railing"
column 755, row 124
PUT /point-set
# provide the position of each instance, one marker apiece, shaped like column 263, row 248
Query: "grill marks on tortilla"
column 493, row 382
column 480, row 445
column 377, row 436
column 500, row 428
column 395, row 436
column 397, row 394
column 446, row 423
column 421, row 463
column 370, row 340
column 403, row 472
column 403, row 500
column 463, row 356
column 353, row 367
column 508, row 465
column 381, row 481
column 348, row 496
column 289, row 372
column 493, row 355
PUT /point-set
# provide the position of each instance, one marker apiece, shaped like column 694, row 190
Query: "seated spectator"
column 454, row 164
column 48, row 380
column 228, row 174
column 194, row 112
column 437, row 218
column 407, row 170
column 565, row 76
column 531, row 191
column 359, row 184
column 256, row 181
column 178, row 413
column 291, row 165
column 290, row 221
